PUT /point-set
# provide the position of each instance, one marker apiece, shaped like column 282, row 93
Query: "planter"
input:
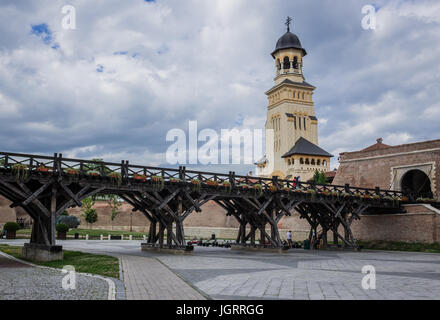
column 212, row 183
column 42, row 169
column 72, row 172
column 11, row 234
column 140, row 177
column 61, row 235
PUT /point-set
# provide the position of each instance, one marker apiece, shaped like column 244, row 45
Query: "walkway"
column 20, row 281
column 148, row 279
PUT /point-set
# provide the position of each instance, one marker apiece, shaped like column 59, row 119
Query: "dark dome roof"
column 287, row 41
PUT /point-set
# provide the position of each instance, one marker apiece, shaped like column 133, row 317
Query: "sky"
column 133, row 70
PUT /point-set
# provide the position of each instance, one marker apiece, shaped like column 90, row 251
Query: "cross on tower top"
column 288, row 21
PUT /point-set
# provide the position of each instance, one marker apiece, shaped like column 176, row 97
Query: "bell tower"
column 291, row 115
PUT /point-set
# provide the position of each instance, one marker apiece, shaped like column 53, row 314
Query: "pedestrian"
column 289, row 238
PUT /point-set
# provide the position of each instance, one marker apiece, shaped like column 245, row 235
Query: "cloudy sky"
column 134, row 69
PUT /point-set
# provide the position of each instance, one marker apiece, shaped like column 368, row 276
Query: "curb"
column 111, row 285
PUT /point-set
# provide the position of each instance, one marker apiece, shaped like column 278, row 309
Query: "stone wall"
column 384, row 167
column 420, row 224
column 6, row 213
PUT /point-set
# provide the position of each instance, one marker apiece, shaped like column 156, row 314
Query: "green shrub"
column 11, row 226
column 91, row 216
column 62, row 227
column 71, row 221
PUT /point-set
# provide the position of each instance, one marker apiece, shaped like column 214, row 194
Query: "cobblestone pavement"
column 298, row 274
column 148, row 279
column 23, row 282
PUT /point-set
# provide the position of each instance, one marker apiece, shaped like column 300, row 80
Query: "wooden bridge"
column 45, row 186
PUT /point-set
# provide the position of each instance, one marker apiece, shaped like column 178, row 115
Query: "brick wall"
column 361, row 169
column 6, row 213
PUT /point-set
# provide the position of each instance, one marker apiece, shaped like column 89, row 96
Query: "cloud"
column 132, row 70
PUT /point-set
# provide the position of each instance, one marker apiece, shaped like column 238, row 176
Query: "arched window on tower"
column 324, row 162
column 286, row 63
column 301, row 160
column 295, row 62
column 313, row 162
column 278, row 64
column 318, row 162
column 307, row 161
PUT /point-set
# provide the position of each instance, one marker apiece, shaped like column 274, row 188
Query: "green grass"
column 400, row 246
column 83, row 262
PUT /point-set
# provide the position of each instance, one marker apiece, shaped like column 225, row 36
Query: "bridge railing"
column 124, row 172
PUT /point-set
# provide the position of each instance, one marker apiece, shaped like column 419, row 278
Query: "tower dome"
column 287, row 41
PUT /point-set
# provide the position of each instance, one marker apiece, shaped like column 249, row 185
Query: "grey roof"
column 287, row 81
column 261, row 161
column 304, row 146
column 287, row 41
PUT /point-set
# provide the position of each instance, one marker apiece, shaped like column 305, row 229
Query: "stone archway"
column 417, row 184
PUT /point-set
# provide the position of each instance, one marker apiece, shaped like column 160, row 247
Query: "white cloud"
column 171, row 61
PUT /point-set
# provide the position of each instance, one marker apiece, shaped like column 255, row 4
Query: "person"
column 289, row 238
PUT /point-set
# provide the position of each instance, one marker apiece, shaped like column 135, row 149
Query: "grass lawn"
column 400, row 246
column 83, row 262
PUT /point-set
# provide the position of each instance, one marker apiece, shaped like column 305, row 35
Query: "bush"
column 62, row 227
column 71, row 221
column 11, row 226
column 91, row 216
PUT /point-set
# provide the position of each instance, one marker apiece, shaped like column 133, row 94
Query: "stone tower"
column 292, row 150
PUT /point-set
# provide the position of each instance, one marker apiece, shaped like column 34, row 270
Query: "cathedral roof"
column 288, row 81
column 261, row 161
column 287, row 41
column 304, row 146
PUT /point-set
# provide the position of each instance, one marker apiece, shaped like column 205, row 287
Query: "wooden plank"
column 36, row 193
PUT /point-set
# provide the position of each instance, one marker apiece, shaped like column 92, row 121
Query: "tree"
column 114, row 204
column 90, row 214
column 322, row 178
column 316, row 176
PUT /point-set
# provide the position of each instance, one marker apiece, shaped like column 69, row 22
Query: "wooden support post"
column 335, row 238
column 262, row 237
column 161, row 234
column 324, row 239
column 169, row 234
column 53, row 212
column 152, row 233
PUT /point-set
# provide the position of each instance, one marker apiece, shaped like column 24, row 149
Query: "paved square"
column 299, row 274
